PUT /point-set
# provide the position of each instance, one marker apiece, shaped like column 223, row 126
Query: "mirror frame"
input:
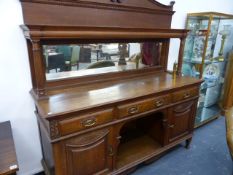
column 41, row 86
column 104, row 20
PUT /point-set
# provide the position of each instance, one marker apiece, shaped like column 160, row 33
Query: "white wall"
column 16, row 104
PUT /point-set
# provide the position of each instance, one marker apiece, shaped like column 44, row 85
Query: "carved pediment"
column 147, row 4
column 98, row 13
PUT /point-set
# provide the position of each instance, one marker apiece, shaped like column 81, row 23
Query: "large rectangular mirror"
column 74, row 60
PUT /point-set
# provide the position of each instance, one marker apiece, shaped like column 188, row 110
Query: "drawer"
column 84, row 122
column 143, row 106
column 185, row 94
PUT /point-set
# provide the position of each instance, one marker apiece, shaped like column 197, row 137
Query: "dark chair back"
column 56, row 62
column 85, row 55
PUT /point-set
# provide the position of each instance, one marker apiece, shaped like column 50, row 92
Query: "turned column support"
column 38, row 65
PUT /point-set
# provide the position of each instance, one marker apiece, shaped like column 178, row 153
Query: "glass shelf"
column 200, row 62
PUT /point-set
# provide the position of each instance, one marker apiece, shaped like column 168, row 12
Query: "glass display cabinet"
column 205, row 57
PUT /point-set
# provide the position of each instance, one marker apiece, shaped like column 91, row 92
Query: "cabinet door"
column 181, row 120
column 90, row 153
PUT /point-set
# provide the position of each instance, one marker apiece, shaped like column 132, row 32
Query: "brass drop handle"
column 159, row 103
column 133, row 110
column 186, row 95
column 110, row 151
column 89, row 122
column 171, row 126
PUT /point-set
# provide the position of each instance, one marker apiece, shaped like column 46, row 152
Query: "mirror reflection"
column 64, row 61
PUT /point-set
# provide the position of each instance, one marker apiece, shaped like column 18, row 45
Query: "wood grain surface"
column 8, row 159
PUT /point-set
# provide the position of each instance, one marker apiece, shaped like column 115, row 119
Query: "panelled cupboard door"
column 181, row 119
column 90, row 153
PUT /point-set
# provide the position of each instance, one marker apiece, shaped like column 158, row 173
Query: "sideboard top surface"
column 64, row 101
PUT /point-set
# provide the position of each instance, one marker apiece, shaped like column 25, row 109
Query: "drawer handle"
column 186, row 95
column 89, row 122
column 159, row 103
column 171, row 126
column 133, row 110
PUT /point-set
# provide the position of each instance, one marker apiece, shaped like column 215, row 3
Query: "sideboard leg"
column 188, row 142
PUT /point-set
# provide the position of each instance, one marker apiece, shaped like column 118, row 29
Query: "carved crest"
column 149, row 4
